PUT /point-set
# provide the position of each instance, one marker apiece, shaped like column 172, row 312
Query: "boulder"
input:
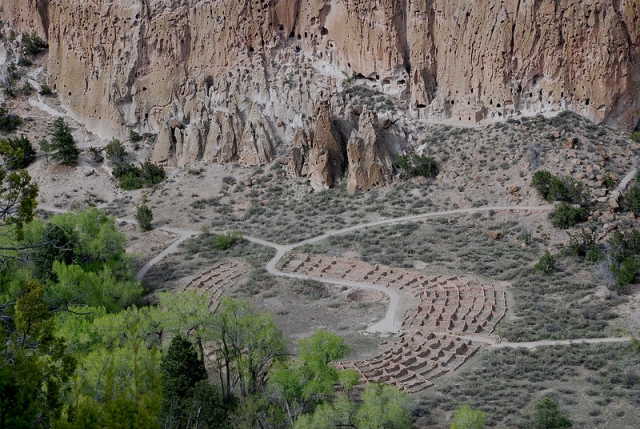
column 495, row 235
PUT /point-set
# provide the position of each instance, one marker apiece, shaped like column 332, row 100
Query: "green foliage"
column 35, row 365
column 547, row 415
column 297, row 387
column 132, row 177
column 381, row 407
column 61, row 143
column 635, row 136
column 244, row 345
column 547, row 263
column 82, row 257
column 116, row 152
column 134, row 136
column 625, row 257
column 144, row 217
column 18, row 200
column 226, row 240
column 33, row 44
column 584, row 244
column 181, row 369
column 46, row 91
column 631, row 200
column 8, row 121
column 566, row 216
column 416, row 165
column 76, row 285
column 17, row 153
column 467, row 418
column 553, row 188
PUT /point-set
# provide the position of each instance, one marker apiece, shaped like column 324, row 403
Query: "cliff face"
column 233, row 80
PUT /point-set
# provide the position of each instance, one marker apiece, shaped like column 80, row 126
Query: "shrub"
column 46, row 91
column 116, row 152
column 553, row 188
column 631, row 200
column 547, row 263
column 467, row 418
column 416, row 165
column 130, row 182
column 583, row 244
column 226, row 240
column 635, row 136
column 151, row 173
column 566, row 216
column 8, row 85
column 134, row 137
column 18, row 153
column 144, row 217
column 8, row 121
column 132, row 177
column 33, row 44
column 547, row 415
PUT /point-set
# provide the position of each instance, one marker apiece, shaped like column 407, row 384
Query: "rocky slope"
column 226, row 81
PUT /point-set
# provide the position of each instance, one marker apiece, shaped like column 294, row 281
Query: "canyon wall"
column 222, row 80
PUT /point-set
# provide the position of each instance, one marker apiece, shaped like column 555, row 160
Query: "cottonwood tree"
column 245, row 346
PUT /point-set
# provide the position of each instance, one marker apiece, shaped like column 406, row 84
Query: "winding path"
column 389, row 323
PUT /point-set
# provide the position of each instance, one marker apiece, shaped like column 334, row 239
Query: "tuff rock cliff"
column 249, row 81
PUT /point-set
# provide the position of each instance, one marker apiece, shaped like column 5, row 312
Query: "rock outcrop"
column 327, row 156
column 370, row 164
column 241, row 77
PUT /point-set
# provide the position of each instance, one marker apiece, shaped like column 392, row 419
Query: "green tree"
column 632, row 200
column 181, row 370
column 547, row 415
column 381, row 407
column 18, row 153
column 467, row 418
column 144, row 217
column 18, row 200
column 245, row 345
column 116, row 152
column 297, row 387
column 35, row 365
column 62, row 144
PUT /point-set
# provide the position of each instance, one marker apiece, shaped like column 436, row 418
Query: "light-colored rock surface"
column 241, row 77
column 370, row 164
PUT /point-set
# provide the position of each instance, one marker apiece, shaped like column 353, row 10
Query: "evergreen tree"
column 181, row 369
column 144, row 216
column 62, row 143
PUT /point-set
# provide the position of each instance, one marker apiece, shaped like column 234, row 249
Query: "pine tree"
column 62, row 143
column 181, row 370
